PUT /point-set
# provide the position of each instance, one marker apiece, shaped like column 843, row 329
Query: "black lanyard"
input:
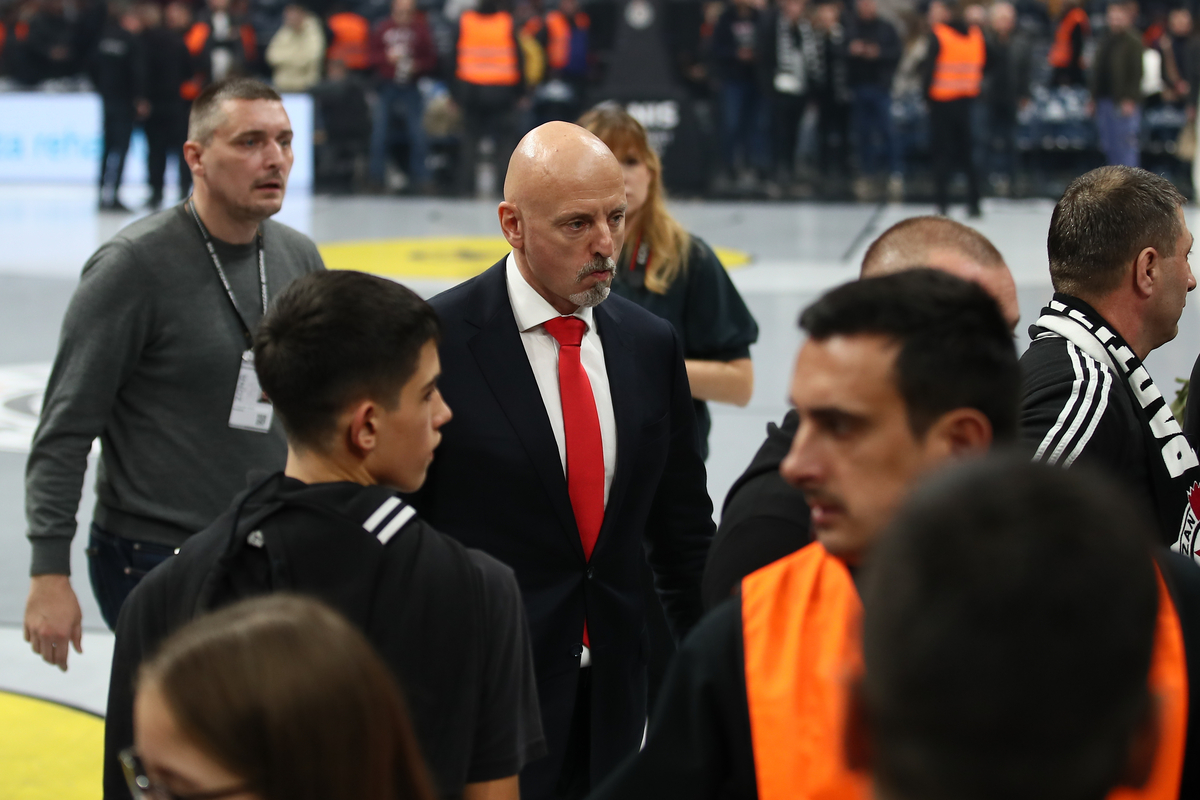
column 262, row 272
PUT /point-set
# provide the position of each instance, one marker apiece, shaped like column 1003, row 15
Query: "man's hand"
column 1127, row 108
column 53, row 618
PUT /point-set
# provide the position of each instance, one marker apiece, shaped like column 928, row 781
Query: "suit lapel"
column 620, row 364
column 501, row 357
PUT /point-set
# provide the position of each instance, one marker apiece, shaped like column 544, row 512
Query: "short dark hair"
column 1008, row 630
column 1104, row 219
column 905, row 244
column 955, row 347
column 333, row 337
column 205, row 116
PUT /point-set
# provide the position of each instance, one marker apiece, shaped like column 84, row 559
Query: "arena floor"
column 792, row 253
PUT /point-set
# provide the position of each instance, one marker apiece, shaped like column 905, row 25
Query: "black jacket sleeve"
column 698, row 744
column 679, row 528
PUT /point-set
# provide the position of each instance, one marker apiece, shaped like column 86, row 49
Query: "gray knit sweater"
column 148, row 361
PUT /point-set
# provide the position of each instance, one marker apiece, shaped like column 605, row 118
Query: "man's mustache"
column 597, row 265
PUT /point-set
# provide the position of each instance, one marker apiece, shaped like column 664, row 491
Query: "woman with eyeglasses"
column 275, row 698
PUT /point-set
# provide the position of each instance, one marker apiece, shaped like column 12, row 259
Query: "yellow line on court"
column 48, row 750
column 446, row 258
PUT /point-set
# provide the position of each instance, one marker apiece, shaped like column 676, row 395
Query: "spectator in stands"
column 117, row 68
column 343, row 133
column 1117, row 87
column 1006, row 89
column 349, row 42
column 831, row 90
column 953, row 80
column 297, row 51
column 328, row 723
column 488, row 86
column 48, row 46
column 787, row 48
column 1180, row 50
column 223, row 44
column 1070, row 38
column 168, row 66
column 563, row 34
column 178, row 18
column 402, row 51
column 874, row 52
column 743, row 111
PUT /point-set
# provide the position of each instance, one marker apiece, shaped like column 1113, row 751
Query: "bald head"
column 950, row 246
column 564, row 214
column 558, row 158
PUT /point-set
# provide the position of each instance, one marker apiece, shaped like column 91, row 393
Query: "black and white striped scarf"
column 1175, row 469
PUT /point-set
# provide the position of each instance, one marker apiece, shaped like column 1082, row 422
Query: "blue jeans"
column 1118, row 133
column 873, row 137
column 744, row 124
column 409, row 97
column 116, row 565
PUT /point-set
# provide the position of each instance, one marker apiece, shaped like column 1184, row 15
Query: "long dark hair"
column 283, row 692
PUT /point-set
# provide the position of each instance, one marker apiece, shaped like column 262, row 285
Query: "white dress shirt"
column 531, row 310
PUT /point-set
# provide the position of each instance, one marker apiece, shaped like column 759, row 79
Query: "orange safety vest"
column 558, row 37
column 1061, row 56
column 958, row 72
column 487, row 49
column 351, row 33
column 801, row 619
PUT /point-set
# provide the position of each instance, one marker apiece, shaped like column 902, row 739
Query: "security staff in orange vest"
column 1048, row 699
column 901, row 374
column 953, row 78
column 564, row 35
column 1066, row 54
column 488, row 87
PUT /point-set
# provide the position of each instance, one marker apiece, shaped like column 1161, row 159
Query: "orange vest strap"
column 1060, row 52
column 249, row 42
column 1169, row 683
column 558, row 45
column 351, row 33
column 487, row 49
column 196, row 38
column 958, row 72
column 801, row 621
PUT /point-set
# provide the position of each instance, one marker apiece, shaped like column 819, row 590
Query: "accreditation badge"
column 252, row 411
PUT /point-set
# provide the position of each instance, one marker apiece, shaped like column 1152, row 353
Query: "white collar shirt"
column 531, row 311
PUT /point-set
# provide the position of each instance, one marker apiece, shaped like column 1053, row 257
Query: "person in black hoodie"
column 743, row 114
column 118, row 71
column 168, row 65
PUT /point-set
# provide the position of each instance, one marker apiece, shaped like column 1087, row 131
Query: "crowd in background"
column 791, row 98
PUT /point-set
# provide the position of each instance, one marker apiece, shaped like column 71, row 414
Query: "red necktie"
column 585, row 449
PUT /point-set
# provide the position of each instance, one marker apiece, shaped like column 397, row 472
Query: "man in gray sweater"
column 155, row 360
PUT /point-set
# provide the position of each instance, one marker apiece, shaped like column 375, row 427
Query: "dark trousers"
column 873, row 136
column 481, row 121
column 166, row 129
column 575, row 780
column 408, row 98
column 116, row 565
column 1002, row 141
column 833, row 135
column 951, row 145
column 118, row 129
column 787, row 112
column 743, row 124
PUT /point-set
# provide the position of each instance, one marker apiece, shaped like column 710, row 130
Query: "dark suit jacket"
column 497, row 484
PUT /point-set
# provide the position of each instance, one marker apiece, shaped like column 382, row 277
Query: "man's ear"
column 1143, row 747
column 961, row 432
column 362, row 433
column 191, row 154
column 1145, row 270
column 512, row 225
column 860, row 752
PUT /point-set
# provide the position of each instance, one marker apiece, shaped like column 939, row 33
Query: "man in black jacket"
column 1118, row 247
column 118, row 71
column 874, row 52
column 168, row 65
column 350, row 364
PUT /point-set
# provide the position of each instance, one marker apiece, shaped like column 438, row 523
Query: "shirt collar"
column 529, row 307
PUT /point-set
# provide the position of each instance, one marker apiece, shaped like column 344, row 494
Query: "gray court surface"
column 798, row 251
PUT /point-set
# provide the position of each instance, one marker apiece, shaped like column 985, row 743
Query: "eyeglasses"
column 142, row 788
